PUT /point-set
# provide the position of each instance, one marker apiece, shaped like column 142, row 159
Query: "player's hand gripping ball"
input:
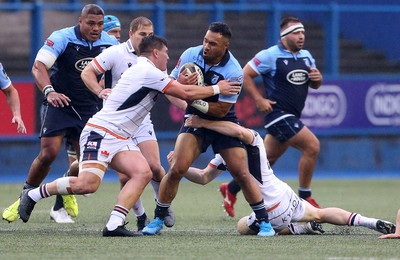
column 190, row 68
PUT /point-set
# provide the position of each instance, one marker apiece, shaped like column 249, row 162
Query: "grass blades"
column 202, row 229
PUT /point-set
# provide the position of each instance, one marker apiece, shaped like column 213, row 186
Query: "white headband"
column 291, row 29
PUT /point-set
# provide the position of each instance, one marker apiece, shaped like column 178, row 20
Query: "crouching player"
column 283, row 205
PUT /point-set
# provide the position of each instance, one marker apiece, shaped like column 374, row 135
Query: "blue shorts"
column 216, row 140
column 62, row 121
column 282, row 126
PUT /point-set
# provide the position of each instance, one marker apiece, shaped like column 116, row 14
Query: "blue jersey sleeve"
column 184, row 58
column 5, row 81
column 56, row 42
column 263, row 62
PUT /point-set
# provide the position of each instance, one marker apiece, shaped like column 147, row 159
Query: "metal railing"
column 328, row 15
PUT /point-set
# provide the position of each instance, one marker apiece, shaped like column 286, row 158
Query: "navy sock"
column 161, row 210
column 28, row 186
column 233, row 187
column 59, row 203
column 304, row 193
column 260, row 211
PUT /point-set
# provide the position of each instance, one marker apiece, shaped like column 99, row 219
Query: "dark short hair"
column 151, row 42
column 92, row 9
column 285, row 21
column 222, row 28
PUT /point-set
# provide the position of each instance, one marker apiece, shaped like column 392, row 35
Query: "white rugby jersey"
column 131, row 99
column 117, row 59
column 271, row 187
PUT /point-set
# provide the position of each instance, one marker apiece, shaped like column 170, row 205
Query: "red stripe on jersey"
column 167, row 86
column 98, row 66
column 212, row 165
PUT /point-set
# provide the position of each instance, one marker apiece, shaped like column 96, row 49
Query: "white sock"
column 39, row 193
column 156, row 187
column 138, row 208
column 117, row 217
column 356, row 219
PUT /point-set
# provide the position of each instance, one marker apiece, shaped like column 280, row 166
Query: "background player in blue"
column 217, row 63
column 287, row 72
column 12, row 97
column 112, row 26
column 68, row 103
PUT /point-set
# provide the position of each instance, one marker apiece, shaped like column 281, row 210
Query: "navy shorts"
column 216, row 140
column 62, row 121
column 282, row 126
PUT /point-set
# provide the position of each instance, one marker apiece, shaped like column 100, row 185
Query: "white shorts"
column 290, row 209
column 145, row 131
column 100, row 145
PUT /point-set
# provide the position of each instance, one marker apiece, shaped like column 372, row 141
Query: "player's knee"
column 158, row 171
column 241, row 176
column 313, row 149
column 146, row 175
column 123, row 178
column 86, row 189
column 176, row 173
column 47, row 156
column 80, row 186
column 317, row 215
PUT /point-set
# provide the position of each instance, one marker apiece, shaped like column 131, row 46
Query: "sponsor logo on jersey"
column 49, row 43
column 256, row 62
column 82, row 63
column 214, row 79
column 91, row 145
column 104, row 153
column 382, row 104
column 286, row 62
column 325, row 107
column 297, row 77
column 236, row 79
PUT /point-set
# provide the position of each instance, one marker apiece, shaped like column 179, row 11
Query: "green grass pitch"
column 202, row 230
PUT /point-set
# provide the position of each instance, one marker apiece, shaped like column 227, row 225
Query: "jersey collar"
column 224, row 60
column 129, row 46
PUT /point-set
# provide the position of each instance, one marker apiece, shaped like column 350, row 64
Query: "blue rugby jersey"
column 229, row 68
column 73, row 54
column 285, row 76
column 5, row 81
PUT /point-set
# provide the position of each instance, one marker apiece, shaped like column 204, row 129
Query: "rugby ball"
column 189, row 68
column 243, row 226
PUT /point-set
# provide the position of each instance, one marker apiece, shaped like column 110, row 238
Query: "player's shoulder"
column 193, row 52
column 115, row 50
column 64, row 33
column 305, row 53
column 142, row 67
column 106, row 39
column 233, row 61
column 273, row 50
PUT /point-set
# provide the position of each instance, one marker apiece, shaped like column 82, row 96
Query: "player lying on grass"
column 284, row 207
